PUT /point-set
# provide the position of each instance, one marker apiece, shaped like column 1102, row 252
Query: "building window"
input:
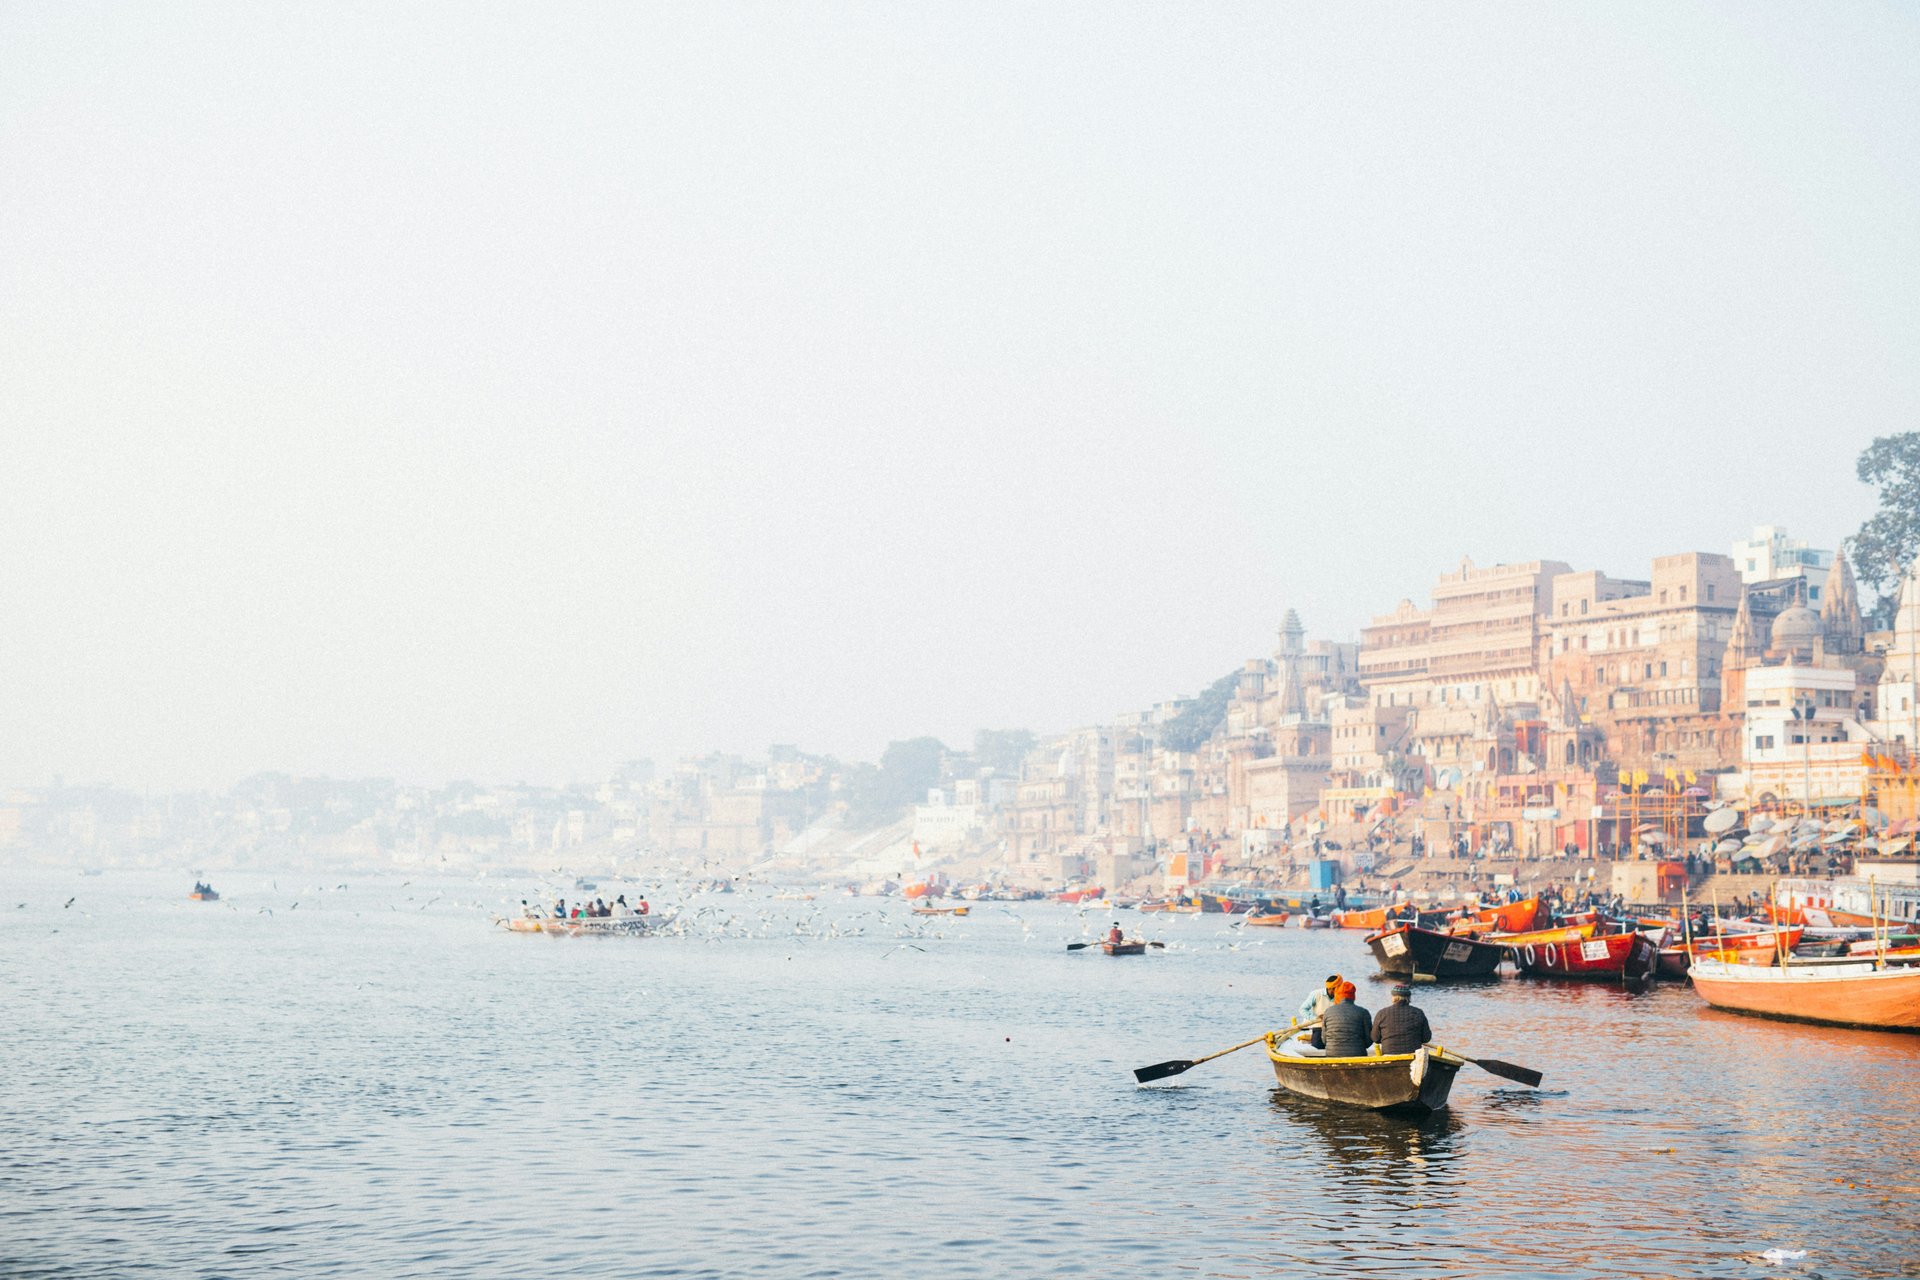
column 1583, row 606
column 1709, row 591
column 1683, row 595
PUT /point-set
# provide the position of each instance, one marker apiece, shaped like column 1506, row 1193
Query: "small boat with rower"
column 1414, row 1084
column 1133, row 948
column 942, row 911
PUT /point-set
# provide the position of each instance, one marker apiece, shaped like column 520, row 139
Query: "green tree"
column 877, row 796
column 1890, row 539
column 1002, row 750
column 1199, row 718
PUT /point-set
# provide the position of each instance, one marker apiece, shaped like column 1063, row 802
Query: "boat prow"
column 1413, row 1084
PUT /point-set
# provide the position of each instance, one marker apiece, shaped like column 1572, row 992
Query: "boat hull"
column 1414, row 1084
column 1124, row 948
column 1277, row 920
column 1511, row 917
column 1629, row 958
column 587, row 927
column 1862, row 996
column 1409, row 951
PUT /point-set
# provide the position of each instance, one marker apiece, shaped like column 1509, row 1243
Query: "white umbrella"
column 1721, row 820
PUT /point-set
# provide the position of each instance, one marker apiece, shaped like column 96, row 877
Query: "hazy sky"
column 502, row 392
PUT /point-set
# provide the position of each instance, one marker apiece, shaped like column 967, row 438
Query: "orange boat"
column 1511, row 917
column 1274, row 920
column 1862, row 995
column 917, row 891
column 1373, row 919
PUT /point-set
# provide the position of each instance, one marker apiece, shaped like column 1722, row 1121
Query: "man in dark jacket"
column 1401, row 1028
column 1347, row 1029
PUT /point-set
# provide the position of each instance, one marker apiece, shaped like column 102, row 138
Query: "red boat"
column 1075, row 895
column 1757, row 948
column 1629, row 958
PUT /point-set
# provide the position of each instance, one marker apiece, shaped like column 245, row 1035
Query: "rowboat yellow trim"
column 1433, row 1051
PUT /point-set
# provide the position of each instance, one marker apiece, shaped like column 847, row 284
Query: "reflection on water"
column 378, row 1083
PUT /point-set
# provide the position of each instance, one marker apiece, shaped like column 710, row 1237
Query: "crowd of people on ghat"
column 1345, row 1029
column 594, row 910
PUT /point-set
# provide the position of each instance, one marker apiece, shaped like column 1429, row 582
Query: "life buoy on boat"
column 1552, row 955
column 1529, row 955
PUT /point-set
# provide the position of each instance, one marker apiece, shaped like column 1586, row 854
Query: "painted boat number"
column 1456, row 951
column 1593, row 951
column 1394, row 945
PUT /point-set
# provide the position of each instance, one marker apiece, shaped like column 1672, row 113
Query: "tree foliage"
column 907, row 770
column 1888, row 542
column 1199, row 718
column 1002, row 750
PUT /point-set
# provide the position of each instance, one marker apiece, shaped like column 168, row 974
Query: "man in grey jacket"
column 1348, row 1029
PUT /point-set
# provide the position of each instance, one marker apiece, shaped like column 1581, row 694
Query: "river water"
column 364, row 1078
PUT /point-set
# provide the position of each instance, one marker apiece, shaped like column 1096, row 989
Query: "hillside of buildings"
column 1528, row 710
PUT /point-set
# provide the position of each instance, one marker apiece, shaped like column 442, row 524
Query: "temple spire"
column 1840, row 612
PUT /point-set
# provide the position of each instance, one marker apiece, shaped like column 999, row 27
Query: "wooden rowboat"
column 942, row 911
column 1274, row 920
column 586, row 926
column 1510, row 917
column 1370, row 919
column 1406, row 951
column 208, row 896
column 1413, row 1084
column 1862, row 995
column 1561, row 934
column 1630, row 958
column 1124, row 948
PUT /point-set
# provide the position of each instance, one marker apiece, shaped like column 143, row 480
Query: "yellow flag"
column 1639, row 777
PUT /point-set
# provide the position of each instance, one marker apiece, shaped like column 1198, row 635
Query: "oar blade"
column 1077, row 946
column 1161, row 1070
column 1525, row 1075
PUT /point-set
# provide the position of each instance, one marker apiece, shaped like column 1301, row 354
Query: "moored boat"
column 942, row 911
column 1273, row 919
column 1540, row 937
column 1407, row 951
column 1400, row 1084
column 1851, row 995
column 1180, row 906
column 1630, row 958
column 1510, row 917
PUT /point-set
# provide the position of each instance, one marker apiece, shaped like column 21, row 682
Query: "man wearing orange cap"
column 1347, row 1029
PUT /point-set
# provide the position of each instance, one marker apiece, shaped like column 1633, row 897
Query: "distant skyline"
column 502, row 393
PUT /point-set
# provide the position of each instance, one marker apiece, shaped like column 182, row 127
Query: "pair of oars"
column 1174, row 1067
column 1080, row 946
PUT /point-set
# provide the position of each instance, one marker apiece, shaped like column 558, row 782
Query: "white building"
column 1802, row 740
column 1770, row 555
column 1899, row 697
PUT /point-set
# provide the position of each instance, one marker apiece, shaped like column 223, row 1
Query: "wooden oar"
column 1507, row 1070
column 1161, row 1070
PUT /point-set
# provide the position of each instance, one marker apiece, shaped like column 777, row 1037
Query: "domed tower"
column 1840, row 622
column 1293, row 636
column 1798, row 635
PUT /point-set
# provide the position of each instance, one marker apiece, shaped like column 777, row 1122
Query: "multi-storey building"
column 1642, row 658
